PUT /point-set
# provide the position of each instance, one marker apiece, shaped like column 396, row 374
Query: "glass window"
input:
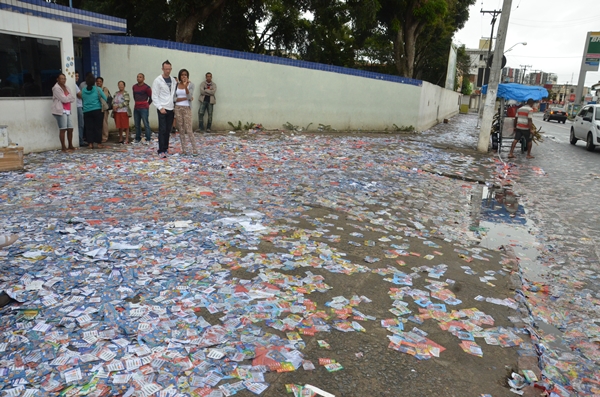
column 582, row 112
column 590, row 113
column 28, row 66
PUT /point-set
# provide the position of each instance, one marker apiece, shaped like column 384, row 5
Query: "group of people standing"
column 172, row 97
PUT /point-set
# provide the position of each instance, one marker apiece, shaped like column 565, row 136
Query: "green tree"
column 327, row 38
column 189, row 14
column 420, row 33
column 169, row 20
column 260, row 26
column 408, row 37
column 463, row 69
column 404, row 21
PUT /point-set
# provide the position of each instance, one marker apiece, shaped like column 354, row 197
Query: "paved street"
column 556, row 246
column 381, row 260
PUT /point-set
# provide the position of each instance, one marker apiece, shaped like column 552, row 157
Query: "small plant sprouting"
column 292, row 127
column 409, row 128
column 237, row 127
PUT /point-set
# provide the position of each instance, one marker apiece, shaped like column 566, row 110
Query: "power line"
column 561, row 21
column 532, row 56
column 540, row 27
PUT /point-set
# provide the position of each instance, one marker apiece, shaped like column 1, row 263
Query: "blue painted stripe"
column 60, row 18
column 128, row 40
column 58, row 7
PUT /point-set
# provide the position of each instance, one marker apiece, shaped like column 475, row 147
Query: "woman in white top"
column 183, row 109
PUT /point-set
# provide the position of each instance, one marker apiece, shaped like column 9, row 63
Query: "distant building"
column 478, row 62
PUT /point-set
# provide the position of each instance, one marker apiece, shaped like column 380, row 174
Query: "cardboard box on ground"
column 11, row 158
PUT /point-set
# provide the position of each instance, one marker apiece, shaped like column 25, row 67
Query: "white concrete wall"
column 30, row 122
column 436, row 104
column 270, row 94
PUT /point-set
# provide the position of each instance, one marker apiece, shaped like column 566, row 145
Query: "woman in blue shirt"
column 92, row 112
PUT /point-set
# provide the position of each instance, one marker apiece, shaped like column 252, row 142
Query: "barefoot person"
column 61, row 110
column 523, row 126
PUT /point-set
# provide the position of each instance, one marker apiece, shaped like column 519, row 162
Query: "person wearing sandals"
column 100, row 83
column 93, row 116
column 61, row 110
column 122, row 112
column 183, row 110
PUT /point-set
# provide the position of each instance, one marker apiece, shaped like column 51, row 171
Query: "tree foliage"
column 411, row 38
column 463, row 67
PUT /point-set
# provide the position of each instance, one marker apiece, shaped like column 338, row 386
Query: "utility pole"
column 492, row 89
column 495, row 14
column 524, row 70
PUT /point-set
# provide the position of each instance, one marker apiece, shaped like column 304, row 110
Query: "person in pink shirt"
column 62, row 99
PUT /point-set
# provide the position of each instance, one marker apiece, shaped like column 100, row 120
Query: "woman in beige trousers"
column 100, row 83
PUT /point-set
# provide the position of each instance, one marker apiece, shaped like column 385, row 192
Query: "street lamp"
column 523, row 42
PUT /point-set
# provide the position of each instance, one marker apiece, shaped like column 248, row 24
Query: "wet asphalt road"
column 555, row 242
column 561, row 186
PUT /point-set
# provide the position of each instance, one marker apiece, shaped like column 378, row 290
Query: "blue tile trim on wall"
column 128, row 40
column 45, row 4
column 47, row 15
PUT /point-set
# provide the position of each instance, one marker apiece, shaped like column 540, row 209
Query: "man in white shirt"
column 163, row 91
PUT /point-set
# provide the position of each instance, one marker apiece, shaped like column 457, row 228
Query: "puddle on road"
column 501, row 220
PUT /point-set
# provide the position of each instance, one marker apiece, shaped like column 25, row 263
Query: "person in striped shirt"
column 523, row 126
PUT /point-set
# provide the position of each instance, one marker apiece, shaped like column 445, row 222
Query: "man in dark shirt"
column 142, row 95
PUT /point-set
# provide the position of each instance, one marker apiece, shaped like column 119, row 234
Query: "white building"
column 478, row 63
column 39, row 40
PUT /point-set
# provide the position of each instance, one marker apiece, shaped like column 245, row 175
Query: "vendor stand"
column 503, row 126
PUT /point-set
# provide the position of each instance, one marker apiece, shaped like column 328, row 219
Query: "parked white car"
column 586, row 127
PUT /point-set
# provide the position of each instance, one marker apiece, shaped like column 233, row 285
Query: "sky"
column 555, row 32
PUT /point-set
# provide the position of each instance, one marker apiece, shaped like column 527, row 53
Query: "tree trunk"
column 405, row 48
column 410, row 41
column 187, row 24
column 399, row 52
